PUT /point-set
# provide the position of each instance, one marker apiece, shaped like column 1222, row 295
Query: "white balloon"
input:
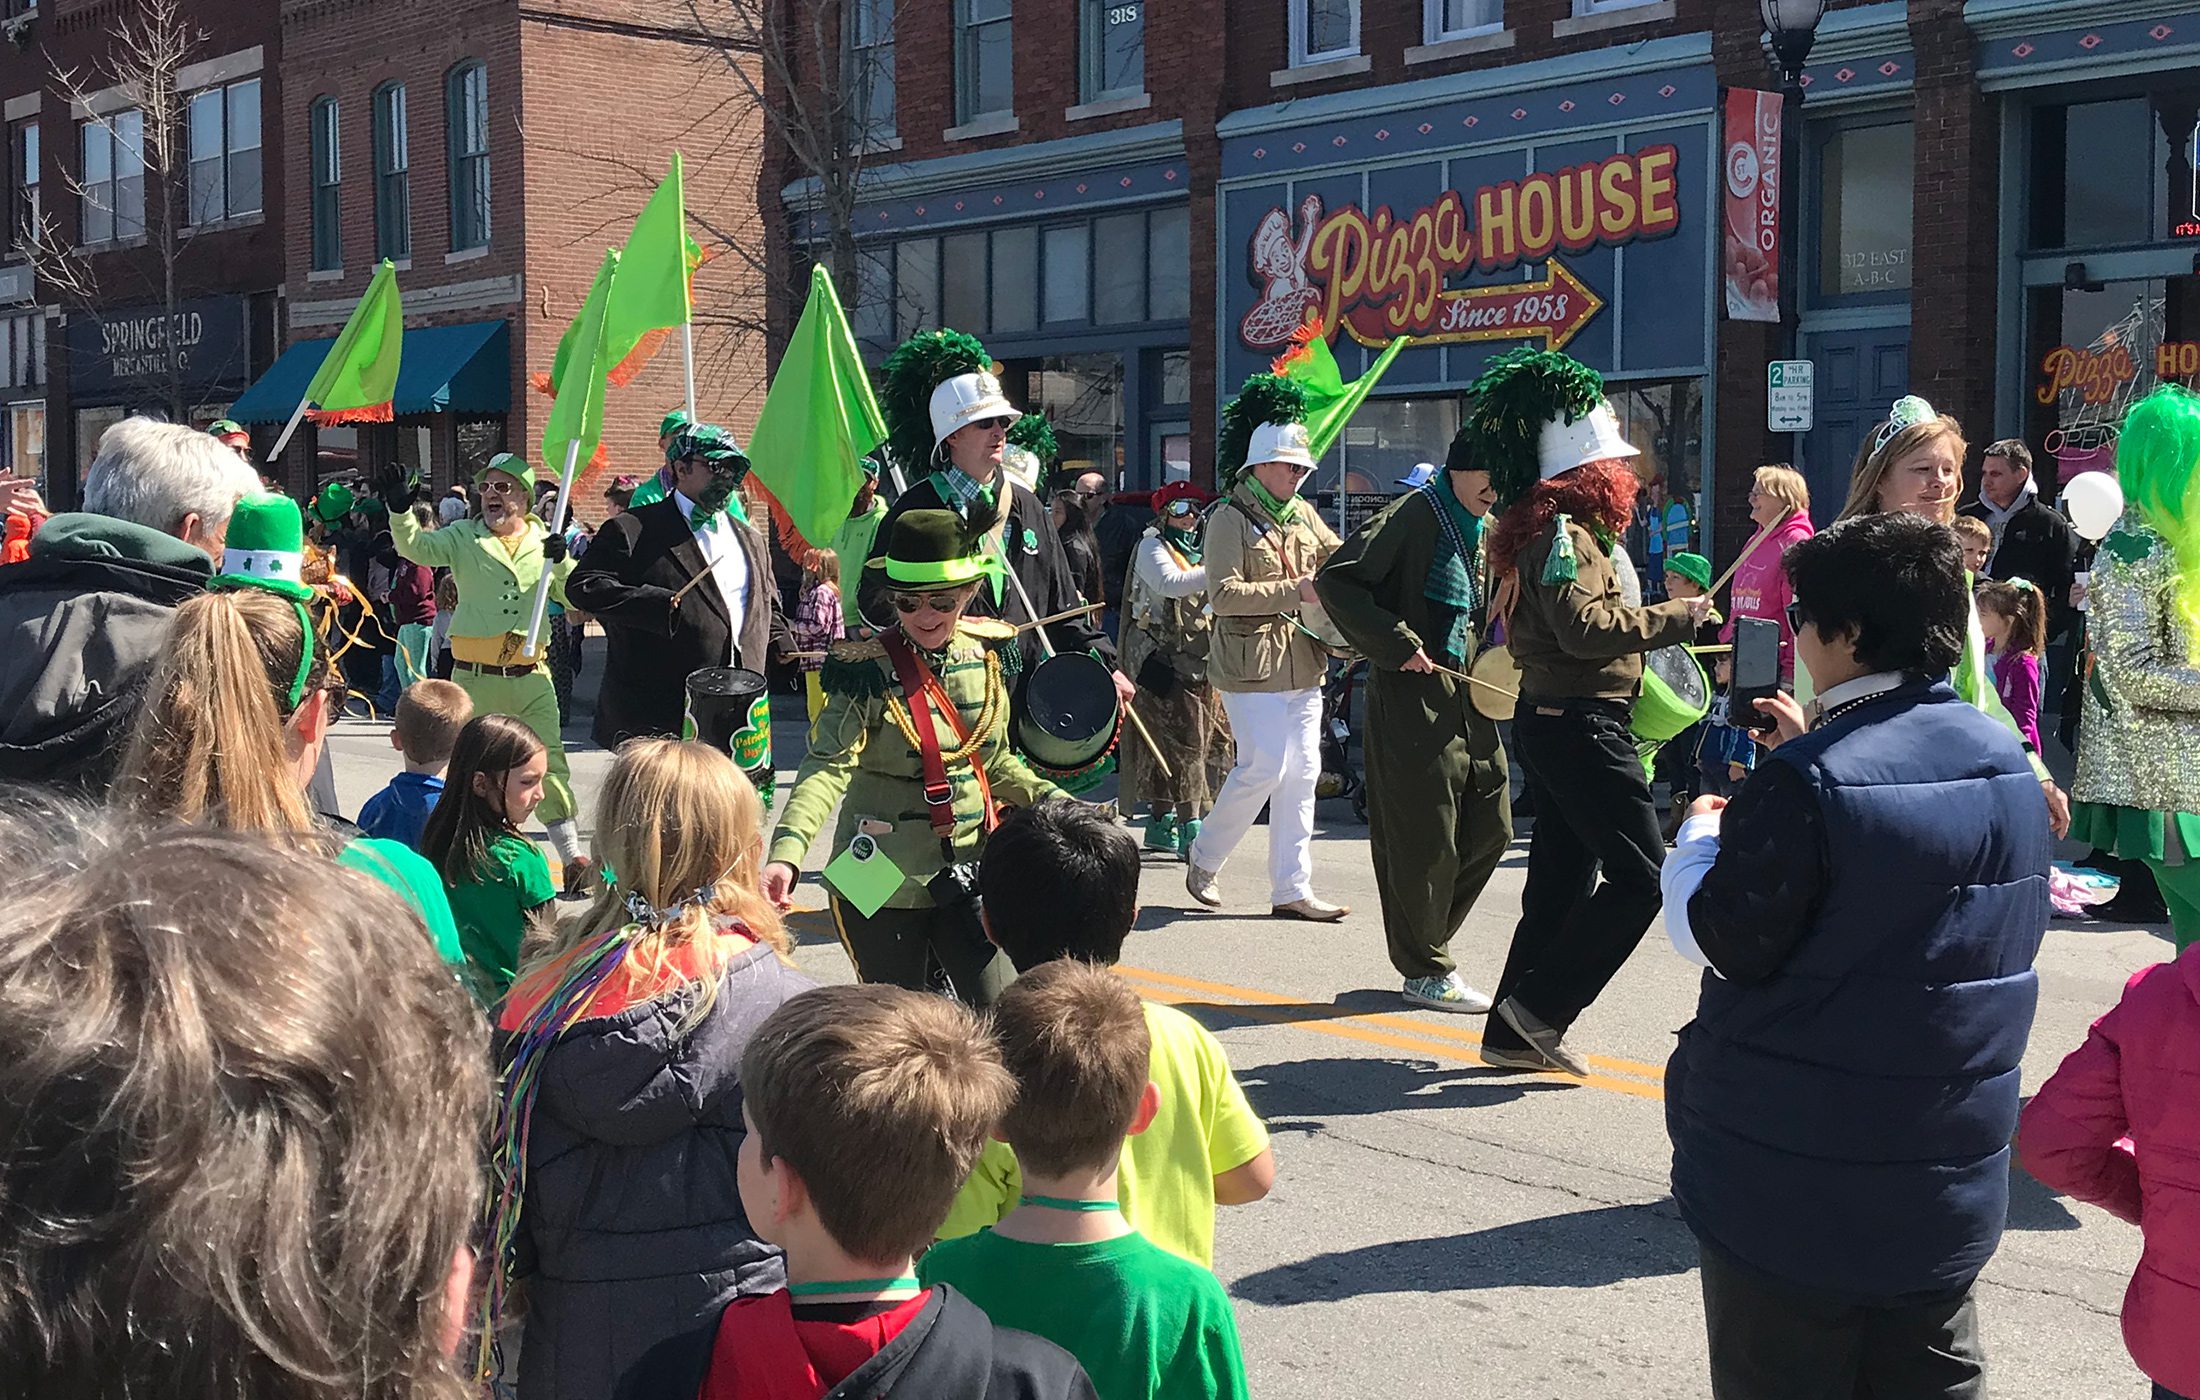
column 2093, row 500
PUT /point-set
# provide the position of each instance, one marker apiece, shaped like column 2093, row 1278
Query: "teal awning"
column 466, row 369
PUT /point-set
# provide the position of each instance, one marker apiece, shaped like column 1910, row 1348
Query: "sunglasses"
column 494, row 487
column 1795, row 617
column 1002, row 423
column 906, row 603
column 1180, row 508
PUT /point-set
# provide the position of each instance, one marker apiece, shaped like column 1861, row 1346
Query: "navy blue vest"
column 1845, row 1123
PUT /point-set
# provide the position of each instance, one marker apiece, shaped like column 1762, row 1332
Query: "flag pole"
column 557, row 527
column 282, row 441
column 687, row 347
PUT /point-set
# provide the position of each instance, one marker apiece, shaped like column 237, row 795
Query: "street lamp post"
column 1791, row 27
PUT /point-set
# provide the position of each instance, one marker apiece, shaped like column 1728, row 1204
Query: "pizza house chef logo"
column 1380, row 276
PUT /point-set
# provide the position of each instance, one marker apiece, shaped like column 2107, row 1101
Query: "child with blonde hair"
column 621, row 1105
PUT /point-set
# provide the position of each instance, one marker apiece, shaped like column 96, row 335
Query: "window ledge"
column 224, row 225
column 991, row 124
column 116, row 245
column 1614, row 19
column 1108, row 106
column 1460, row 47
column 329, row 274
column 879, row 145
column 403, row 264
column 1316, row 72
column 465, row 255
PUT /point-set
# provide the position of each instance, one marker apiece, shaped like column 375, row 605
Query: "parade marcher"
column 233, row 436
column 85, row 615
column 639, row 561
column 1779, row 502
column 497, row 562
column 2138, row 785
column 1406, row 589
column 659, row 485
column 946, row 415
column 1264, row 546
column 1164, row 648
column 913, row 747
column 1072, row 516
column 851, row 544
column 1914, row 462
column 1563, row 474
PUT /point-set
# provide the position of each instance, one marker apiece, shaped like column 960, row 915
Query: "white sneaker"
column 1201, row 884
column 1448, row 993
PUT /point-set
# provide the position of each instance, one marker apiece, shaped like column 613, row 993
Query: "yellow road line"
column 1635, row 1069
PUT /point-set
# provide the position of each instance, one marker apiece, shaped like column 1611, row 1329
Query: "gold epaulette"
column 852, row 649
column 989, row 630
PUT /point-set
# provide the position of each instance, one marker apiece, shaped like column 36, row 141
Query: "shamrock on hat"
column 265, row 548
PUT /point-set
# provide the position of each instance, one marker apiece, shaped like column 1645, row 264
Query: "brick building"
column 1133, row 236
column 88, row 332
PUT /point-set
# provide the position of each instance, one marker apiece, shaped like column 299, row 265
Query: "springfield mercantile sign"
column 201, row 345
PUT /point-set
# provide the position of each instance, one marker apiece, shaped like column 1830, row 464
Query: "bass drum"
column 1314, row 620
column 1675, row 694
column 1069, row 716
column 1498, row 673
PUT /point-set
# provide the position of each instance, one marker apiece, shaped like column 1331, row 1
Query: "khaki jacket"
column 1576, row 640
column 1253, row 572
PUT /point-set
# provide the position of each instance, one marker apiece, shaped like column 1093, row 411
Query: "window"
column 23, row 208
column 1175, row 377
column 466, row 130
column 1457, row 19
column 1324, row 29
column 1067, row 295
column 1169, row 264
column 1605, row 7
column 2117, row 172
column 392, row 175
column 916, row 285
column 328, row 178
column 1119, row 275
column 962, row 281
column 224, row 126
column 984, row 68
column 1864, row 208
column 1015, row 280
column 873, row 319
column 1082, row 396
column 113, row 205
column 1114, row 49
column 870, row 80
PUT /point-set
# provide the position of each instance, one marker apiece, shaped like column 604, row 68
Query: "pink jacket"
column 2119, row 1125
column 1761, row 586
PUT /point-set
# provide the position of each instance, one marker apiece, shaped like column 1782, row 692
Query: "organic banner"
column 1753, row 174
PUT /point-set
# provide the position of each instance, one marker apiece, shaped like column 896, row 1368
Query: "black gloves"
column 553, row 548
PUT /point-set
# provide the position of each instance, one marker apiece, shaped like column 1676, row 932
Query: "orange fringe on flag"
column 798, row 549
column 368, row 413
column 1301, row 338
column 541, row 380
column 637, row 359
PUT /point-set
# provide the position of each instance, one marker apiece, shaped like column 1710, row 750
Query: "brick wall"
column 1955, row 241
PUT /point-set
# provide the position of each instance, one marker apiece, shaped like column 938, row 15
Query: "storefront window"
column 1068, row 284
column 336, row 453
column 90, row 423
column 2096, row 350
column 1665, row 422
column 1169, row 265
column 1119, row 281
column 1176, row 376
column 1386, row 439
column 1015, row 279
column 1082, row 395
column 1865, row 176
column 26, row 443
column 916, row 285
column 962, row 282
column 2118, row 172
column 479, row 439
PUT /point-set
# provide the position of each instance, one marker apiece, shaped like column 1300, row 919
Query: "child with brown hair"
column 2013, row 615
column 817, row 622
column 1065, row 1265
column 1977, row 539
column 497, row 879
column 430, row 715
column 623, row 1039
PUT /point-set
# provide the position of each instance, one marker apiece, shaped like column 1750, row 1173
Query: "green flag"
column 577, row 415
column 655, row 292
column 819, row 418
column 358, row 378
column 1330, row 402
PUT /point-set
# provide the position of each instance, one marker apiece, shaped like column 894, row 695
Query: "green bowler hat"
column 929, row 549
column 334, row 503
column 265, row 548
column 511, row 464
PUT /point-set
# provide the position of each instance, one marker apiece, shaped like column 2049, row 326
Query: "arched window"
column 328, row 175
column 392, row 175
column 466, row 128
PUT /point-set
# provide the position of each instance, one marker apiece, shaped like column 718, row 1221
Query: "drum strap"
column 922, row 688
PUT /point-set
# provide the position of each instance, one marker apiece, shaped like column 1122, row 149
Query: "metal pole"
column 283, row 440
column 687, row 349
column 1791, row 231
column 557, row 527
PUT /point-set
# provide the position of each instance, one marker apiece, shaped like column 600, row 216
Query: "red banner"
column 1753, row 175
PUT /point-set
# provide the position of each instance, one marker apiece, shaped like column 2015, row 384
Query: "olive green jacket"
column 1575, row 640
column 860, row 758
column 1375, row 585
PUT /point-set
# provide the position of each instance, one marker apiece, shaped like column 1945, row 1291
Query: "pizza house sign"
column 1380, row 276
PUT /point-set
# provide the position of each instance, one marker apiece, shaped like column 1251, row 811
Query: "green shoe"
column 1191, row 834
column 1164, row 835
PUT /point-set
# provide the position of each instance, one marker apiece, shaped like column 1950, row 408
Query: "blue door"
column 1860, row 375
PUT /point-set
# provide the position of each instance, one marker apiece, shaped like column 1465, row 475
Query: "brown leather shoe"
column 1312, row 910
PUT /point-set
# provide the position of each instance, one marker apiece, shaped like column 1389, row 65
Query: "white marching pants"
column 1278, row 736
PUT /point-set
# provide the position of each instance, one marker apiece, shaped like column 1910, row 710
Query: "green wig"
column 2158, row 465
column 1266, row 398
column 1034, row 434
column 1515, row 396
column 919, row 365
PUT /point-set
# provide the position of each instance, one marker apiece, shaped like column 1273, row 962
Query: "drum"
column 731, row 710
column 1070, row 715
column 1675, row 694
column 1314, row 620
column 1494, row 667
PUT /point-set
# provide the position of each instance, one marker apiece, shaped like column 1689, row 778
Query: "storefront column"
column 1955, row 250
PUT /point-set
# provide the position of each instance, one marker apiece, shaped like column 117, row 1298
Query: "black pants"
column 1774, row 1340
column 913, row 948
column 1592, row 812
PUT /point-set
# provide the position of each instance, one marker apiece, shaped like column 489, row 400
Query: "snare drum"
column 1675, row 694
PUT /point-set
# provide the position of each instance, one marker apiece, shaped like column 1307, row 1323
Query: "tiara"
column 1908, row 412
column 646, row 913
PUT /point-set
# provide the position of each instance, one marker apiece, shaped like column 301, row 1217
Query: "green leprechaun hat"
column 265, row 548
column 929, row 549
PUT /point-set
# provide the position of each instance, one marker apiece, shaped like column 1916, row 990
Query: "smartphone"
column 1756, row 671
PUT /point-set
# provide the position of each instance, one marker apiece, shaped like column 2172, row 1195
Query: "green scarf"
column 1283, row 512
column 1450, row 587
column 1184, row 542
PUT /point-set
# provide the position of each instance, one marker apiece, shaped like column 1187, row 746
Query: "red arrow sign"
column 1555, row 308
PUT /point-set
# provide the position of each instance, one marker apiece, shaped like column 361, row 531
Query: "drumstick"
column 1747, row 550
column 1706, row 651
column 682, row 591
column 1472, row 680
column 1151, row 747
column 1060, row 617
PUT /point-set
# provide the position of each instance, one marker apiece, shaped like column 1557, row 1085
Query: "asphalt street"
column 1444, row 1230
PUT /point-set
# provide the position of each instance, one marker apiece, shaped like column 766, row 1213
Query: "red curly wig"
column 1600, row 495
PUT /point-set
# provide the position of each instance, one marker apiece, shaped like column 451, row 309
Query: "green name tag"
column 864, row 875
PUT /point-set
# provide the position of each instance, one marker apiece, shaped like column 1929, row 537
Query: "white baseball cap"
column 1595, row 438
column 1280, row 442
column 967, row 399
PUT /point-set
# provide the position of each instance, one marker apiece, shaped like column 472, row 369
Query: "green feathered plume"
column 1034, row 434
column 1520, row 392
column 919, row 365
column 1266, row 398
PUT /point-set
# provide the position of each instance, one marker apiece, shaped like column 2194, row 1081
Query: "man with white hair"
column 82, row 618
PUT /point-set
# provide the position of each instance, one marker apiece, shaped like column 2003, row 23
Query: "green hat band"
column 929, row 573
